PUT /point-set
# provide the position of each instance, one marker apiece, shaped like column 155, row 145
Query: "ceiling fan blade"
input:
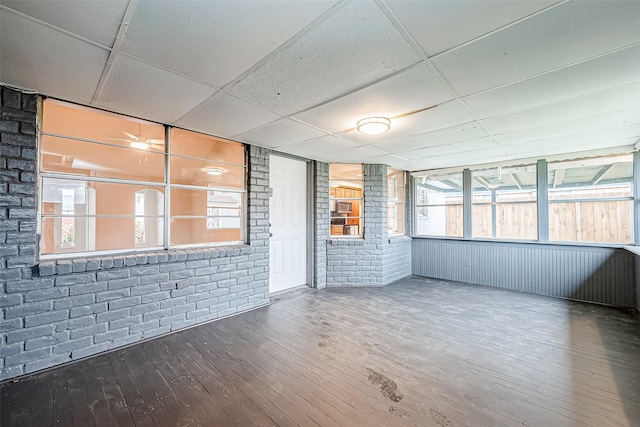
column 132, row 136
column 119, row 139
column 155, row 141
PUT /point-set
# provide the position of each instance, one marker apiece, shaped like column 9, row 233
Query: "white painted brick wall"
column 376, row 259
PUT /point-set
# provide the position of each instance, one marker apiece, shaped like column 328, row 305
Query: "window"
column 591, row 200
column 439, row 205
column 505, row 203
column 207, row 189
column 345, row 199
column 395, row 201
column 104, row 178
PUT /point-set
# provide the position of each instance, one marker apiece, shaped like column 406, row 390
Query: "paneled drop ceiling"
column 463, row 82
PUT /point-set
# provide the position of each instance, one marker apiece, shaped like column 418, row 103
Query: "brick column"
column 322, row 220
column 18, row 113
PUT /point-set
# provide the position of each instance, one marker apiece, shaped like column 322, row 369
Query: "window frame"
column 495, row 201
column 630, row 198
column 165, row 185
column 335, row 200
column 395, row 201
column 416, row 189
column 543, row 203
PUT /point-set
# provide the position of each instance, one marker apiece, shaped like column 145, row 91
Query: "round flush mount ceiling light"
column 374, row 125
column 214, row 171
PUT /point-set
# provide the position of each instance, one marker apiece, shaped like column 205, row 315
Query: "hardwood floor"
column 419, row 352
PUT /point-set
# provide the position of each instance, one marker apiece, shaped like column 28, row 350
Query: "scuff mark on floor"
column 398, row 412
column 388, row 388
column 440, row 418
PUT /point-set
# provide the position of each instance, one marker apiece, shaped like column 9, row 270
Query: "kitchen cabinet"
column 337, row 230
column 345, row 193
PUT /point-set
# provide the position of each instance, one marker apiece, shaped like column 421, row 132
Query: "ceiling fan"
column 140, row 143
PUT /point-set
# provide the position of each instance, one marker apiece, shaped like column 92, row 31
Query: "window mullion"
column 542, row 191
column 167, row 187
column 467, row 232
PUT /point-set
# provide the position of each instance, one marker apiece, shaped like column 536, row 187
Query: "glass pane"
column 346, row 172
column 571, row 184
column 346, row 217
column 603, row 222
column 188, row 202
column 395, row 184
column 87, row 234
column 190, row 231
column 224, row 210
column 501, row 179
column 439, row 221
column 206, row 174
column 70, row 197
column 88, row 123
column 85, row 158
column 202, row 146
column 602, row 177
column 512, row 221
column 395, row 218
column 439, row 190
column 505, row 203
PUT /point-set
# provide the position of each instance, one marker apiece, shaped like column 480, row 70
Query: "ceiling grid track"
column 115, row 49
column 427, row 61
column 53, row 27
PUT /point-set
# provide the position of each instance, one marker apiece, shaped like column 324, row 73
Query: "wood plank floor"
column 419, row 352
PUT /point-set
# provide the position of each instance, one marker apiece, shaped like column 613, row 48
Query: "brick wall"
column 375, row 259
column 58, row 311
column 322, row 221
column 396, row 259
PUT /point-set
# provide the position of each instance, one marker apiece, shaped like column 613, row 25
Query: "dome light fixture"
column 214, row 171
column 374, row 125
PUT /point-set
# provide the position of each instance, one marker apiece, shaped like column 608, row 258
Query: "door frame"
column 311, row 213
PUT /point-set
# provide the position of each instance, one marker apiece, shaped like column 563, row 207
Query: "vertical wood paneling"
column 601, row 275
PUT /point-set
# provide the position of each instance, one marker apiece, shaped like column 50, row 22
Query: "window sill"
column 633, row 249
column 529, row 242
column 346, row 241
column 97, row 262
column 399, row 238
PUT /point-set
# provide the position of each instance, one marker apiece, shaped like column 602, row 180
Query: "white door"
column 288, row 218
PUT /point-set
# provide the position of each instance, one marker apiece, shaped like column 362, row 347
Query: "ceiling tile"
column 581, row 125
column 355, row 155
column 551, row 147
column 98, row 21
column 467, row 158
column 466, row 131
column 312, row 147
column 215, row 41
column 225, row 115
column 403, row 93
column 389, row 160
column 581, row 141
column 452, row 148
column 144, row 91
column 562, row 35
column 277, row 134
column 603, row 73
column 354, row 46
column 608, row 101
column 30, row 57
column 440, row 25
